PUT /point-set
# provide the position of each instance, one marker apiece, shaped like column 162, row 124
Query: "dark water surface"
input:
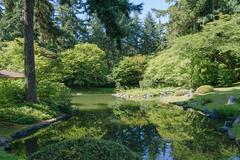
column 154, row 131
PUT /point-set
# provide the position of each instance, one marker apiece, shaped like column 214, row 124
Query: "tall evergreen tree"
column 11, row 24
column 151, row 35
column 132, row 43
column 188, row 16
column 9, row 5
column 115, row 16
column 97, row 33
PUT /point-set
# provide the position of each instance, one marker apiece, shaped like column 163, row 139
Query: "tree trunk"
column 29, row 61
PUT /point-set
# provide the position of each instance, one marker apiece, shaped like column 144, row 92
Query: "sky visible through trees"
column 150, row 4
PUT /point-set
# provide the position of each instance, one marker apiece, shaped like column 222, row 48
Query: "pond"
column 153, row 130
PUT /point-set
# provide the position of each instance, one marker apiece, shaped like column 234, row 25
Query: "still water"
column 153, row 130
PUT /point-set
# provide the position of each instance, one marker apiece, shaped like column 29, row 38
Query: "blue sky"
column 149, row 4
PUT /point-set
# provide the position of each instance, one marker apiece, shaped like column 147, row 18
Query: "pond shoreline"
column 225, row 129
column 35, row 127
column 5, row 142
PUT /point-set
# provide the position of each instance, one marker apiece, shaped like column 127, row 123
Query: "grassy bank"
column 213, row 101
column 216, row 100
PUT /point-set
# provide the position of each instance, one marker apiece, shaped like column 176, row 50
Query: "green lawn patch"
column 218, row 101
column 138, row 92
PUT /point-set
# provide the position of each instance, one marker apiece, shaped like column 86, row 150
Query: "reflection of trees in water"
column 192, row 134
column 136, row 132
column 144, row 140
column 139, row 127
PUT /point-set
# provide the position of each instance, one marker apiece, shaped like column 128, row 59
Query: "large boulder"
column 205, row 89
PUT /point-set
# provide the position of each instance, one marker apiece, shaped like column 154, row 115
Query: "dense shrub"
column 88, row 149
column 11, row 91
column 25, row 113
column 55, row 95
column 130, row 70
column 84, row 65
column 205, row 89
column 181, row 92
column 47, row 62
column 208, row 57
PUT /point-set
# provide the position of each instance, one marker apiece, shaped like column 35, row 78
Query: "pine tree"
column 134, row 36
column 151, row 35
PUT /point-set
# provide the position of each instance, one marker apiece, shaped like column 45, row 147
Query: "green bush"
column 181, row 92
column 54, row 97
column 204, row 89
column 47, row 63
column 208, row 57
column 130, row 70
column 84, row 65
column 54, row 94
column 25, row 113
column 87, row 149
column 226, row 76
column 11, row 91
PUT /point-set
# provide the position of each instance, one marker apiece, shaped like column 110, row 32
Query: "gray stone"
column 4, row 143
column 228, row 123
column 223, row 129
column 238, row 141
column 234, row 158
column 3, row 140
column 230, row 135
column 237, row 121
column 232, row 100
column 191, row 93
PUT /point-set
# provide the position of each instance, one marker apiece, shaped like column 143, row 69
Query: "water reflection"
column 143, row 128
column 144, row 140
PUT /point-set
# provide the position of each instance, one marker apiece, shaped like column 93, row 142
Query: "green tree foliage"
column 187, row 16
column 151, row 38
column 132, row 43
column 11, row 23
column 130, row 70
column 62, row 24
column 209, row 57
column 114, row 15
column 84, row 65
column 47, row 62
column 99, row 37
column 52, row 95
column 9, row 5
